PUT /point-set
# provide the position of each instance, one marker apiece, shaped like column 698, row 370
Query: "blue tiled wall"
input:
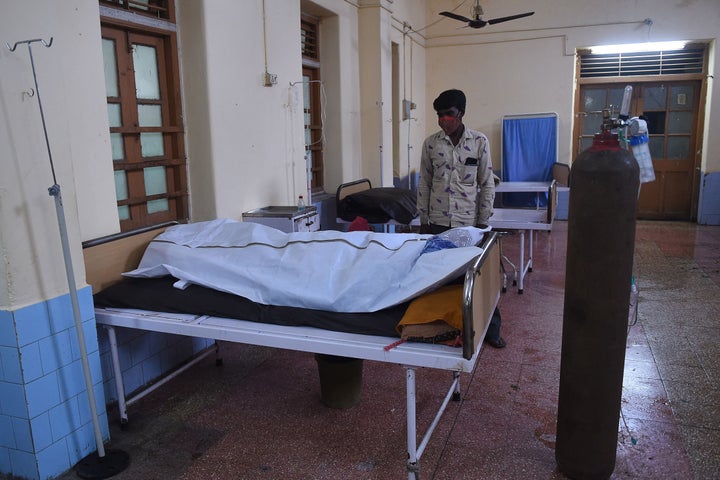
column 709, row 205
column 45, row 420
column 144, row 356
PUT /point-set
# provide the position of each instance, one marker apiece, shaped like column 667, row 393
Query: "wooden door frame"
column 699, row 133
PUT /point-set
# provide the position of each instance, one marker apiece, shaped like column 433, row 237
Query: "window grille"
column 309, row 37
column 674, row 62
column 152, row 8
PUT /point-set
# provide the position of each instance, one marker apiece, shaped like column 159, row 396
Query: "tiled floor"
column 259, row 415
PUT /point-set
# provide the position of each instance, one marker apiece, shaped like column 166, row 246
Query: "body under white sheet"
column 324, row 270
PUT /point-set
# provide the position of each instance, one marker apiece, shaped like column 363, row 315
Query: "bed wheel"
column 504, row 289
column 520, row 290
column 218, row 362
column 124, row 424
column 456, row 397
column 529, row 269
column 514, row 283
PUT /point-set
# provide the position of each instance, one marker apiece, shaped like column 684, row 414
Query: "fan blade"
column 511, row 17
column 455, row 16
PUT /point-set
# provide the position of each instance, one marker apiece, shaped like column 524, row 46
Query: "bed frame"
column 528, row 219
column 105, row 261
column 358, row 186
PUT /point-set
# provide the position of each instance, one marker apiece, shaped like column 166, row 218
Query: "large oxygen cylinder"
column 604, row 186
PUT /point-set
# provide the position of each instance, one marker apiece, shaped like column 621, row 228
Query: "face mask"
column 449, row 120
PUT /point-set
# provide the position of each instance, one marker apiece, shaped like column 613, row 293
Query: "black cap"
column 449, row 99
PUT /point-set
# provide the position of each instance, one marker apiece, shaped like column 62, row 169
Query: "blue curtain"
column 529, row 150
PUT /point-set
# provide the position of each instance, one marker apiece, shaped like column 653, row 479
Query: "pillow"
column 435, row 317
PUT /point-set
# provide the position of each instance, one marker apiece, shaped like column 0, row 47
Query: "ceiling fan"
column 478, row 22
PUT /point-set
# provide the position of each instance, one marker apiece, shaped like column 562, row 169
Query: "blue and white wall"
column 45, row 420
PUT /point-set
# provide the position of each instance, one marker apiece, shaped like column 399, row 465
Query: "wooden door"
column 671, row 110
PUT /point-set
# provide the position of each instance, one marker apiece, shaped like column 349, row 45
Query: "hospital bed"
column 386, row 206
column 528, row 219
column 106, row 260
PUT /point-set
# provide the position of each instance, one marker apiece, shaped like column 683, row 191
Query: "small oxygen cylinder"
column 604, row 186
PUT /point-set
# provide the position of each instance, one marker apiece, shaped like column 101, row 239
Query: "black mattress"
column 158, row 294
column 380, row 205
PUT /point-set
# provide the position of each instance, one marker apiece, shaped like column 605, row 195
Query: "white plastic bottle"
column 301, row 203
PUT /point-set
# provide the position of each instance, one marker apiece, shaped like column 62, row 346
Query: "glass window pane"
column 654, row 98
column 110, row 65
column 147, row 84
column 678, row 148
column 121, row 190
column 616, row 98
column 155, row 180
column 150, row 115
column 585, row 143
column 656, row 147
column 114, row 115
column 140, row 7
column 151, row 144
column 680, row 122
column 592, row 124
column 655, row 122
column 118, row 148
column 595, row 100
column 124, row 212
column 159, row 205
column 681, row 97
column 306, row 91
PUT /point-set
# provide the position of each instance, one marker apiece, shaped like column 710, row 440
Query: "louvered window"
column 151, row 8
column 687, row 61
column 309, row 37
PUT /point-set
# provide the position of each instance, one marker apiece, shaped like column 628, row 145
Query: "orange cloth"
column 437, row 314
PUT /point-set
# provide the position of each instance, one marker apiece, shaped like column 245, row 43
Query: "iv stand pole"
column 104, row 465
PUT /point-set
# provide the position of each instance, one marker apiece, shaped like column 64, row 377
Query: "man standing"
column 456, row 186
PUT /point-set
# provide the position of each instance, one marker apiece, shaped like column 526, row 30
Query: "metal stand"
column 101, row 464
column 415, row 451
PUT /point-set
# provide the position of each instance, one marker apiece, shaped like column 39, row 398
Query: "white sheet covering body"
column 324, row 270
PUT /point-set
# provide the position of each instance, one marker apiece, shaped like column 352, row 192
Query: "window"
column 668, row 94
column 689, row 60
column 151, row 8
column 145, row 116
column 312, row 94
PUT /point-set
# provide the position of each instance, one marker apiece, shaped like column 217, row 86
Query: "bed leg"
column 413, row 463
column 522, row 261
column 530, row 249
column 456, row 380
column 218, row 358
column 119, row 387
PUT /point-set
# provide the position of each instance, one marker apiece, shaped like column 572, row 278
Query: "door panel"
column 671, row 110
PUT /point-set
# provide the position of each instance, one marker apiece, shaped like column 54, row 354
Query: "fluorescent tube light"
column 638, row 47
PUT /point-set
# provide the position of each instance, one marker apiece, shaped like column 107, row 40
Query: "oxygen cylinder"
column 604, row 184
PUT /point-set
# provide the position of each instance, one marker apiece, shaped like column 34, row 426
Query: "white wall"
column 245, row 140
column 528, row 65
column 71, row 84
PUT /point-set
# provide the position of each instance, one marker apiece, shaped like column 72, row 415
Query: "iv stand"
column 104, row 464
